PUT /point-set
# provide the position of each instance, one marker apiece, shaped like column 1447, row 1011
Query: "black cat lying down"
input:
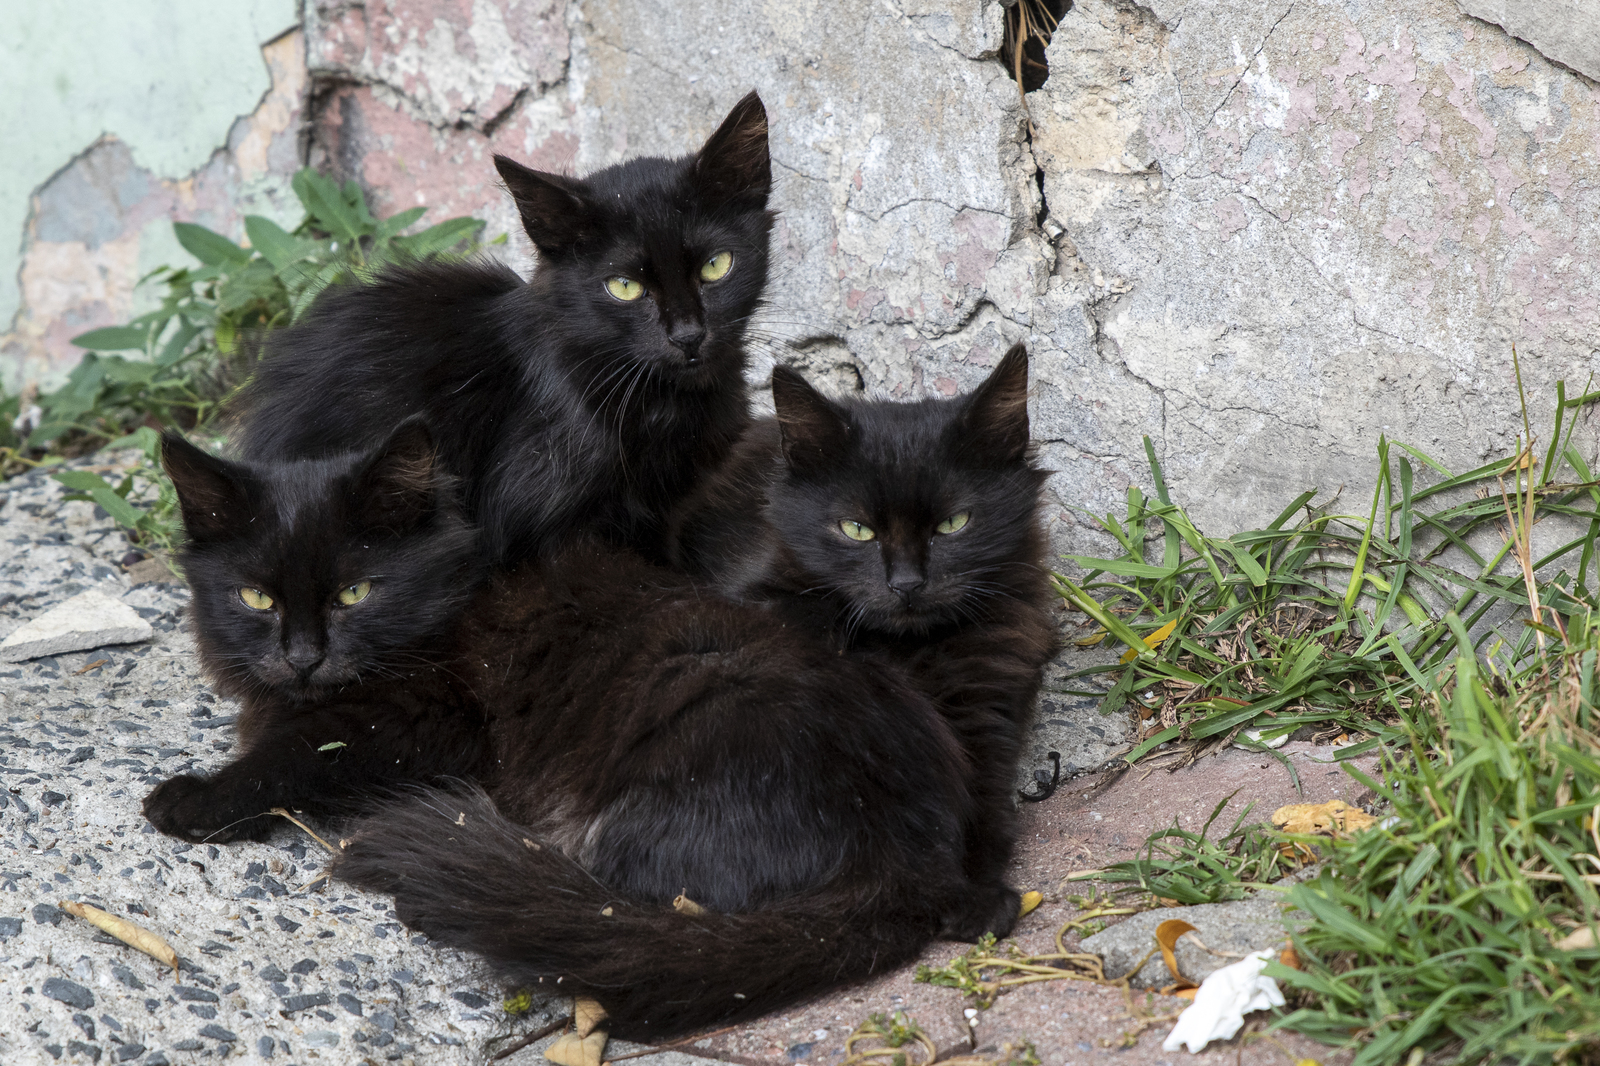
column 632, row 736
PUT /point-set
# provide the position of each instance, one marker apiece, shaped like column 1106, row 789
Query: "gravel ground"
column 273, row 963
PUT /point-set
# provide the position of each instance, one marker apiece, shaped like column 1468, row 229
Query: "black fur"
column 562, row 408
column 964, row 613
column 309, row 671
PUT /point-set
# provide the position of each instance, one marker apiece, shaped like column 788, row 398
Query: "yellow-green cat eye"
column 954, row 522
column 856, row 531
column 255, row 599
column 625, row 289
column 716, row 268
column 354, row 594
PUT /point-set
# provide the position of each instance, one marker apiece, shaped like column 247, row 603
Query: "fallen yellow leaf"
column 684, row 905
column 1089, row 642
column 586, row 1015
column 575, row 1050
column 1152, row 641
column 1577, row 940
column 133, row 935
column 1167, row 934
column 1290, row 958
column 1334, row 818
column 1030, row 903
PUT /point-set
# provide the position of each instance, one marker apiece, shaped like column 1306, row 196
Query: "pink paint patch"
column 1360, row 183
column 1462, row 99
column 1340, row 144
column 946, row 386
column 1302, row 113
column 1230, row 216
column 1350, row 63
column 1170, row 141
column 1420, row 290
column 982, row 237
column 1504, row 60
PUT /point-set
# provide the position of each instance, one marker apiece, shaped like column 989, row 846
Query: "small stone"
column 265, row 1046
column 126, row 976
column 320, row 1038
column 88, row 620
column 69, row 992
column 217, row 1032
column 1235, row 928
column 303, row 966
column 470, row 999
column 307, row 1000
column 271, row 973
column 10, row 927
column 46, row 914
column 350, row 1003
column 78, row 1047
column 129, row 1051
column 285, row 924
column 194, row 995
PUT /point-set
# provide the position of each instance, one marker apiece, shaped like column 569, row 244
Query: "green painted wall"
column 167, row 77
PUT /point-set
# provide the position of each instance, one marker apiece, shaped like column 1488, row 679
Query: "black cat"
column 586, row 399
column 635, row 737
column 324, row 597
column 910, row 533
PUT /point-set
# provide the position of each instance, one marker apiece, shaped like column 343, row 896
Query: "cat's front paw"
column 989, row 909
column 195, row 808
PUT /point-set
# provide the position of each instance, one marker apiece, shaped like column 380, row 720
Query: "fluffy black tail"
column 468, row 878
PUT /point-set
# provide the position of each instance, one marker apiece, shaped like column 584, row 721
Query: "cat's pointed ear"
column 553, row 209
column 994, row 426
column 212, row 492
column 401, row 483
column 815, row 432
column 734, row 164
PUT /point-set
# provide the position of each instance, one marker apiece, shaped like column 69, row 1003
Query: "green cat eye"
column 856, row 531
column 953, row 523
column 354, row 594
column 716, row 268
column 625, row 289
column 255, row 599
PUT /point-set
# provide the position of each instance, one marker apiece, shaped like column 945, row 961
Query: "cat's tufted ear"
column 994, row 426
column 400, row 484
column 212, row 492
column 734, row 164
column 553, row 208
column 815, row 432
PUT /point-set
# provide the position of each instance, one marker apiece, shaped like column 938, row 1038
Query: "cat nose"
column 687, row 338
column 304, row 660
column 904, row 580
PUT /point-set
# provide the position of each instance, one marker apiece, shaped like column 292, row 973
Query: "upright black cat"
column 586, row 399
column 909, row 533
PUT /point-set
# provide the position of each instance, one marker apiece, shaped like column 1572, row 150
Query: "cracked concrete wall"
column 1261, row 232
column 121, row 116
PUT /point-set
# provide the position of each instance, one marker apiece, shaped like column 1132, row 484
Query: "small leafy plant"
column 177, row 364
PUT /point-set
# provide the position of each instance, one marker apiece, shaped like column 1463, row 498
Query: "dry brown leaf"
column 1290, row 958
column 1334, row 818
column 1030, row 903
column 1167, row 934
column 132, row 935
column 1577, row 940
column 1184, row 993
column 575, row 1050
column 586, row 1014
column 684, row 905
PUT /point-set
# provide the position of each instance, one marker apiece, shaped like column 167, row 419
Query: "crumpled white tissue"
column 1223, row 1000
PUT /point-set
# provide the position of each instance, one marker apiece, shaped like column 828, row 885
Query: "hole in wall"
column 1029, row 24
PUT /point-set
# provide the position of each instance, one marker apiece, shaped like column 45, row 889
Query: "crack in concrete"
column 880, row 216
column 1212, row 118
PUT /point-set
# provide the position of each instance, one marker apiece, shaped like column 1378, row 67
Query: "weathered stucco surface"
column 120, row 116
column 1260, row 233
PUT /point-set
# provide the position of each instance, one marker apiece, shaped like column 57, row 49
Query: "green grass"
column 1438, row 931
column 1325, row 619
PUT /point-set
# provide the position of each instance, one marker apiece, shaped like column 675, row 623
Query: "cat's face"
column 310, row 576
column 915, row 513
column 656, row 264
